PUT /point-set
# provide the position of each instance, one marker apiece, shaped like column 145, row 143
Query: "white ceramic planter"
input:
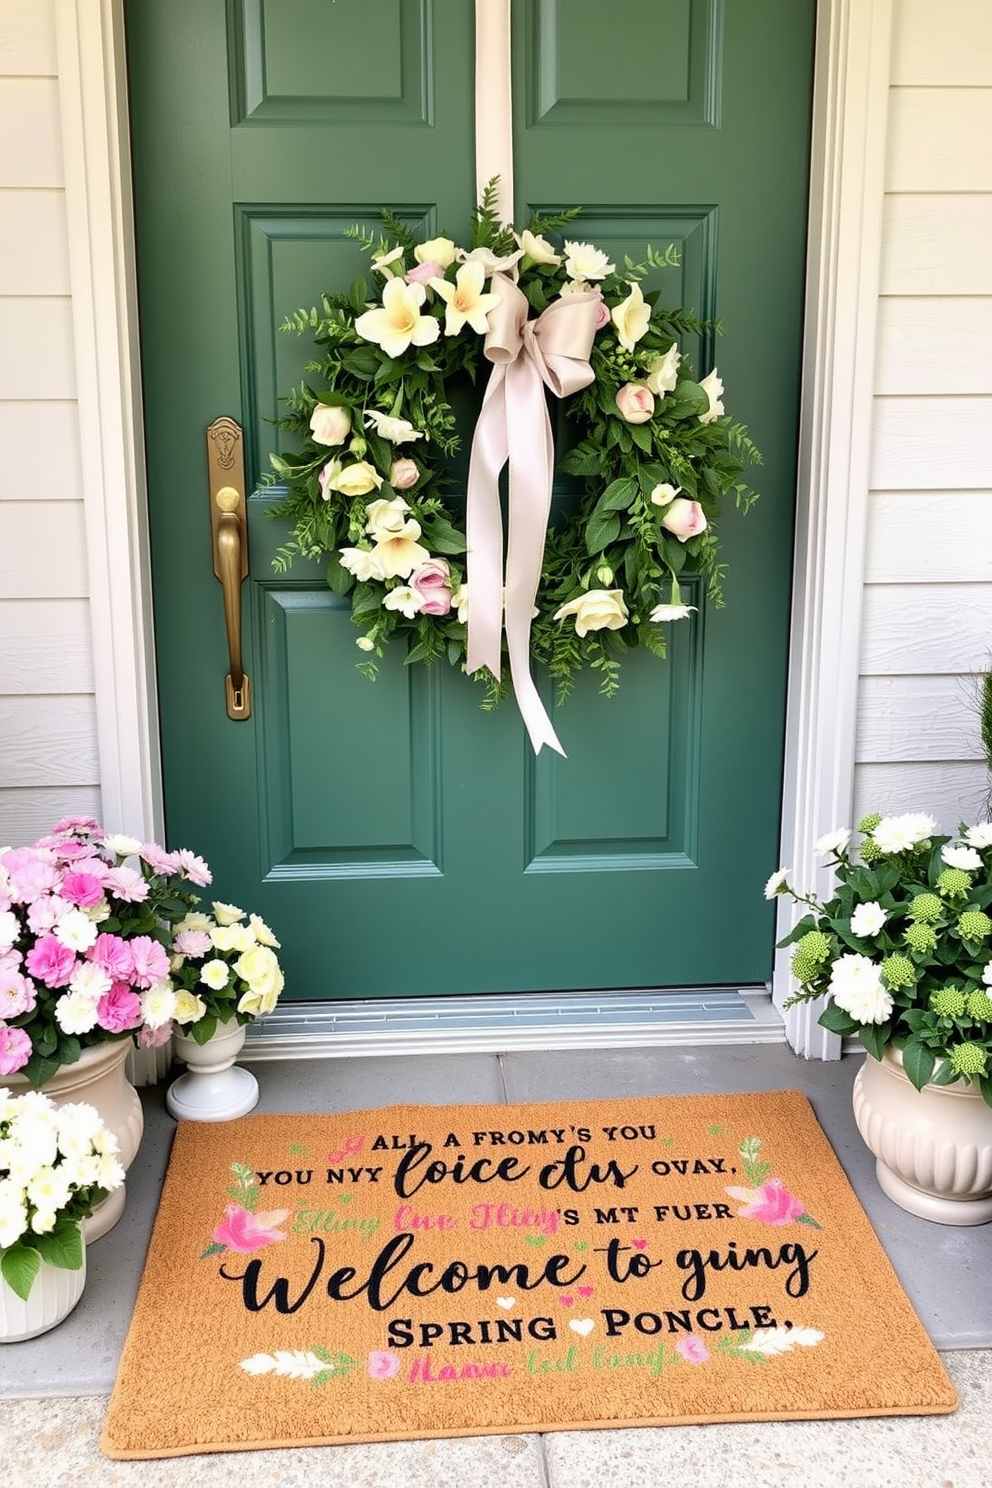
column 213, row 1088
column 52, row 1298
column 933, row 1147
column 99, row 1078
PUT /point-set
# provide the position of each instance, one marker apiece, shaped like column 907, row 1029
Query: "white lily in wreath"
column 398, row 324
column 464, row 300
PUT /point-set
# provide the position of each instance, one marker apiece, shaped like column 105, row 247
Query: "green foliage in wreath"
column 654, row 451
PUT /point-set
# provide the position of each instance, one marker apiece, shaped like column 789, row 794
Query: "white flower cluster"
column 895, row 834
column 50, row 1156
column 226, row 944
column 856, row 986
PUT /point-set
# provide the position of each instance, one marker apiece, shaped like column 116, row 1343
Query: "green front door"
column 398, row 839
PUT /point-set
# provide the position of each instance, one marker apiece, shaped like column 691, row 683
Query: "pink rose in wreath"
column 771, row 1203
column 430, row 581
column 244, row 1231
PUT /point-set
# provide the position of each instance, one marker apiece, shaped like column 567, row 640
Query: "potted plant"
column 902, row 956
column 224, row 973
column 56, row 1164
column 86, row 921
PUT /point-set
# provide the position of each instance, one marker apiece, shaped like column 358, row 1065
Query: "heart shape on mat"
column 566, row 1300
column 639, row 1244
column 537, row 1240
column 582, row 1326
column 582, row 1245
column 584, row 1291
column 506, row 1302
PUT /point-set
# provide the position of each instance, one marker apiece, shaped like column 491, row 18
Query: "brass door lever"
column 229, row 533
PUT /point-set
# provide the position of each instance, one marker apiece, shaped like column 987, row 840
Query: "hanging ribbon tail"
column 531, row 470
column 484, row 531
column 513, row 425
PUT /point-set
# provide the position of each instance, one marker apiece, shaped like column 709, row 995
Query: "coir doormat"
column 417, row 1271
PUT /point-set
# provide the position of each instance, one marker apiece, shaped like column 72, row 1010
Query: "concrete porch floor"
column 53, row 1389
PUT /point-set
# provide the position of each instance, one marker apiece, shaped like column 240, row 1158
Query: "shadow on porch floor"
column 50, row 1442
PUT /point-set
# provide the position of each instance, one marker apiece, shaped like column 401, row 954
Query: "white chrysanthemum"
column 895, row 834
column 987, row 974
column 90, row 980
column 48, row 1189
column 105, row 1143
column 856, row 987
column 110, row 1173
column 75, row 930
column 81, row 1117
column 224, row 914
column 98, row 912
column 75, row 1012
column 832, row 842
column 13, row 1223
column 43, row 1221
column 82, row 1169
column 158, row 1004
column 776, row 884
column 215, row 975
column 583, row 261
column 35, row 1131
column 121, row 846
column 868, row 919
column 979, row 836
column 34, row 1105
column 11, row 1192
column 965, row 858
column 74, row 1143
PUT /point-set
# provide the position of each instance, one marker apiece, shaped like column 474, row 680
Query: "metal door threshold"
column 506, row 1024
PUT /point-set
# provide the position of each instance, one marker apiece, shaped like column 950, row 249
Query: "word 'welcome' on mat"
column 422, row 1271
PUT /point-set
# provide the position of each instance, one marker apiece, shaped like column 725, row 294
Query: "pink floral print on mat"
column 244, row 1231
column 767, row 1199
column 770, row 1203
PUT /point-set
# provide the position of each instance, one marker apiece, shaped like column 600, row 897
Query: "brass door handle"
column 229, row 531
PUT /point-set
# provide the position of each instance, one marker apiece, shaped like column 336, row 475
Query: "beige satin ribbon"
column 513, row 426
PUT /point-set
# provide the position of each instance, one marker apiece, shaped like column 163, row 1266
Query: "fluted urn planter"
column 933, row 1147
column 213, row 1088
column 51, row 1299
column 98, row 1077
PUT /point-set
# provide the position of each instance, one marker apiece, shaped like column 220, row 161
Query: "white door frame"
column 845, row 232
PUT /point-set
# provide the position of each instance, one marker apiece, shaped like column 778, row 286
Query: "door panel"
column 399, row 839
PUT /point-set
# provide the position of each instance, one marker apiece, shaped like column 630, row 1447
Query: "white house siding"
column 927, row 624
column 48, row 755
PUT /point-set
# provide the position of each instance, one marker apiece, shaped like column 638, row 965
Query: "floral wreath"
column 655, row 452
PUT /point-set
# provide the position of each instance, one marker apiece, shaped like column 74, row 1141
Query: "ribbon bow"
column 513, row 426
